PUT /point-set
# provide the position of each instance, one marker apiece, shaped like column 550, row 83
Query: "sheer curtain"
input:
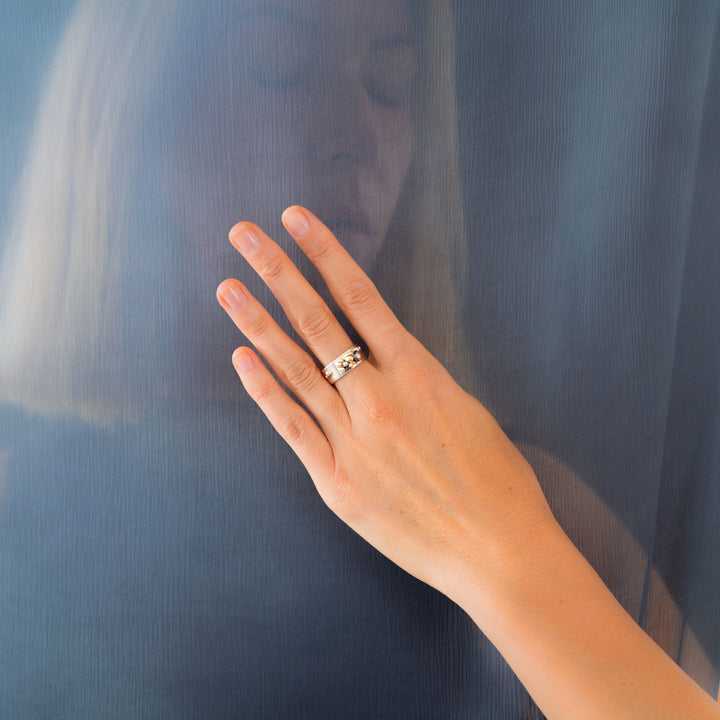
column 533, row 188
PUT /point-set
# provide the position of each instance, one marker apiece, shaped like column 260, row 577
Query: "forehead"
column 342, row 20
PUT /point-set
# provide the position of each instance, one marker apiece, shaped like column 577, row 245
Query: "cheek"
column 397, row 154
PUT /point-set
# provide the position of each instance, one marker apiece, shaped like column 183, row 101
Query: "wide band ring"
column 343, row 364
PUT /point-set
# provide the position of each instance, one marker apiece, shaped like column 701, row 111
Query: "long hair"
column 62, row 304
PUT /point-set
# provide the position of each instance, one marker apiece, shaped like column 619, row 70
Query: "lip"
column 346, row 218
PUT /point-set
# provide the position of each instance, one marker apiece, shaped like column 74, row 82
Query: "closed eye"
column 390, row 75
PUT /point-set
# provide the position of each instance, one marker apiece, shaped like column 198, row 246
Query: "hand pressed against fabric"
column 422, row 471
column 400, row 452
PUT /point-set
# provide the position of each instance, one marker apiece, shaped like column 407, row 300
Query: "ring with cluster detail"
column 343, row 364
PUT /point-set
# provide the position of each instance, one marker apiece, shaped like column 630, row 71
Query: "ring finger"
column 295, row 368
column 307, row 311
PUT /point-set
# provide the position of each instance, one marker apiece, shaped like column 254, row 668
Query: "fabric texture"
column 178, row 563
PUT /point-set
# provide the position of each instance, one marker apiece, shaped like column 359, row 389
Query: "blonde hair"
column 64, row 344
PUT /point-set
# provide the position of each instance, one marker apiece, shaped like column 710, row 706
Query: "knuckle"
column 257, row 325
column 314, row 322
column 301, row 373
column 358, row 295
column 319, row 249
column 293, row 429
column 262, row 393
column 382, row 414
column 271, row 268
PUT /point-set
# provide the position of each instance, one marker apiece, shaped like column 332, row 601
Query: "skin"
column 421, row 470
column 246, row 129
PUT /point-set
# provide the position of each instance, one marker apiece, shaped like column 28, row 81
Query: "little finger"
column 292, row 423
column 296, row 369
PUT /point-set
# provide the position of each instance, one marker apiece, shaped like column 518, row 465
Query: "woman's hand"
column 399, row 452
column 419, row 468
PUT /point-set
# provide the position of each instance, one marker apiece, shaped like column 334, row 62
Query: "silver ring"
column 343, row 364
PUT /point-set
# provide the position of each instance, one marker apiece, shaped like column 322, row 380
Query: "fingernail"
column 243, row 361
column 244, row 238
column 234, row 297
column 295, row 221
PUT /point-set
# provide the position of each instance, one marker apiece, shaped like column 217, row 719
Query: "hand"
column 396, row 448
column 421, row 470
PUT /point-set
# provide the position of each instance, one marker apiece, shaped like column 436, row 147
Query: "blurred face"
column 303, row 102
column 277, row 103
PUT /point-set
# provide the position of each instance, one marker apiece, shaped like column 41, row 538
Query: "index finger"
column 354, row 292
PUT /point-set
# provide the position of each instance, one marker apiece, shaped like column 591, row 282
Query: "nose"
column 348, row 125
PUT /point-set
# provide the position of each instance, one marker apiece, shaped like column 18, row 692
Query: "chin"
column 363, row 246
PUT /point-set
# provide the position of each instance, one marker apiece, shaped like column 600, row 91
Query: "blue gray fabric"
column 182, row 565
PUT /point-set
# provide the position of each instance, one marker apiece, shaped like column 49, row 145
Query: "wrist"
column 571, row 644
column 507, row 569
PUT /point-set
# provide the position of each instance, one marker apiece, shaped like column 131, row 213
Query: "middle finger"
column 307, row 311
